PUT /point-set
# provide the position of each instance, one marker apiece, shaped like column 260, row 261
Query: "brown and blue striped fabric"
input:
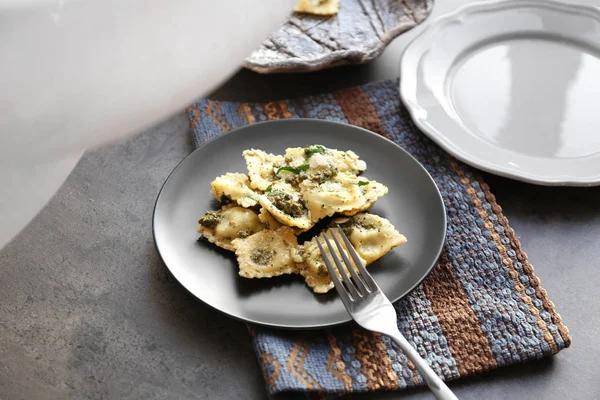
column 481, row 308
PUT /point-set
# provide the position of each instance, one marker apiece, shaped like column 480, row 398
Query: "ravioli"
column 267, row 253
column 336, row 195
column 266, row 218
column 261, row 167
column 318, row 7
column 230, row 222
column 286, row 195
column 372, row 191
column 295, row 156
column 317, row 157
column 313, row 268
column 235, row 187
column 348, row 161
column 285, row 204
column 372, row 236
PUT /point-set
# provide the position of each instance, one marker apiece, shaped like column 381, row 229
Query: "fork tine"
column 360, row 285
column 340, row 267
column 334, row 277
column 361, row 268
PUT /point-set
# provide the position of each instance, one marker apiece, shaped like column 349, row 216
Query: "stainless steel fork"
column 370, row 308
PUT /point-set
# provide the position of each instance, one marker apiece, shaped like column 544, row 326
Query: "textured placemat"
column 481, row 308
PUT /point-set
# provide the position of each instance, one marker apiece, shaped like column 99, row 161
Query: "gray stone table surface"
column 88, row 311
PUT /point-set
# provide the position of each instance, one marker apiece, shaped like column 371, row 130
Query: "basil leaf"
column 285, row 168
column 314, row 149
column 301, row 168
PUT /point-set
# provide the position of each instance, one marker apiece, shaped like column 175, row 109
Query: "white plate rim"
column 413, row 51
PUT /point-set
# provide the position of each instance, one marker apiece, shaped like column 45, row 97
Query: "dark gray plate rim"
column 241, row 318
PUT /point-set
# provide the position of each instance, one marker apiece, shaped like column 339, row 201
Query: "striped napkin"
column 481, row 308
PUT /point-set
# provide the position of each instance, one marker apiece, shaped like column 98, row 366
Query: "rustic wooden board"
column 358, row 33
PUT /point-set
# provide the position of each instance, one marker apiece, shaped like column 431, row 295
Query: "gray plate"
column 413, row 204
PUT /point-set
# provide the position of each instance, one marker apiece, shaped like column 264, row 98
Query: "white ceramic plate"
column 512, row 88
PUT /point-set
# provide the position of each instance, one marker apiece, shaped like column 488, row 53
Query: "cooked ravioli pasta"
column 372, row 236
column 230, row 222
column 284, row 196
column 285, row 204
column 320, row 163
column 371, row 190
column 338, row 194
column 267, row 253
column 266, row 218
column 318, row 7
column 313, row 268
column 235, row 187
column 261, row 166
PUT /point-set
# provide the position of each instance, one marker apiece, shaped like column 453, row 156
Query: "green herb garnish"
column 268, row 189
column 210, row 219
column 314, row 149
column 262, row 256
column 363, row 183
column 286, row 203
column 301, row 168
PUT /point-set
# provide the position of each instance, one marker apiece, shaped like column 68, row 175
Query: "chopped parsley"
column 363, row 183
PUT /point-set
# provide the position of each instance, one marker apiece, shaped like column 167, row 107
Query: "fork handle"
column 436, row 385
